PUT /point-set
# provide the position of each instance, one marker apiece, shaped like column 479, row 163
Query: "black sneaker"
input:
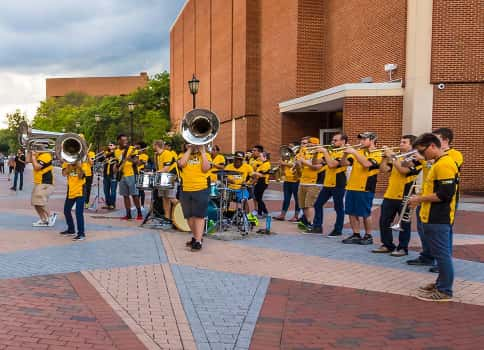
column 67, row 232
column 366, row 240
column 190, row 243
column 196, row 246
column 419, row 262
column 434, row 269
column 335, row 233
column 79, row 238
column 315, row 230
column 353, row 239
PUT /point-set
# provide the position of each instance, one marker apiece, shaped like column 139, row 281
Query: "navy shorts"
column 358, row 203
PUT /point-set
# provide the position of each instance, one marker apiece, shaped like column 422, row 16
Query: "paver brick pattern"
column 298, row 315
column 58, row 312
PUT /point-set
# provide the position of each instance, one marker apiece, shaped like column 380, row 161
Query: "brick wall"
column 95, row 86
column 457, row 41
column 382, row 115
column 461, row 107
column 361, row 36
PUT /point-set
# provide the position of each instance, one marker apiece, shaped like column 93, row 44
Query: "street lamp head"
column 131, row 106
column 193, row 85
column 78, row 124
column 97, row 118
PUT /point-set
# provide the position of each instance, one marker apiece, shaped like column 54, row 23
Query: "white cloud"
column 48, row 38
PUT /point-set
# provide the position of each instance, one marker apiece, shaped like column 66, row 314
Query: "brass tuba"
column 199, row 127
column 68, row 147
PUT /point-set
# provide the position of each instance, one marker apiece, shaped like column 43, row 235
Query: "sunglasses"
column 422, row 151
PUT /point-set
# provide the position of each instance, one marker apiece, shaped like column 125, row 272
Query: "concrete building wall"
column 95, row 86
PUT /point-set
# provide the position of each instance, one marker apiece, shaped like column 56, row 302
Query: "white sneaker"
column 40, row 223
column 52, row 219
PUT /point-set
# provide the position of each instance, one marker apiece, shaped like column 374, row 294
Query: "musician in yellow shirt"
column 218, row 162
column 261, row 176
column 126, row 168
column 142, row 161
column 43, row 186
column 76, row 179
column 290, row 188
column 167, row 163
column 88, row 176
column 194, row 166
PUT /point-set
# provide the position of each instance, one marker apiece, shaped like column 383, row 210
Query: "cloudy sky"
column 65, row 38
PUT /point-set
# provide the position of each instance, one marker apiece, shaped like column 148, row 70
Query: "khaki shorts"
column 41, row 194
column 307, row 195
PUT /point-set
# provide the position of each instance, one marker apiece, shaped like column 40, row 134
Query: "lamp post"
column 97, row 118
column 193, row 86
column 131, row 107
column 78, row 125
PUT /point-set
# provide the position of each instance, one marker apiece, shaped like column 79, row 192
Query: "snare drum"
column 164, row 181
column 213, row 190
column 144, row 181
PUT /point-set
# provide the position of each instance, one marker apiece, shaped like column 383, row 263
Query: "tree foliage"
column 150, row 117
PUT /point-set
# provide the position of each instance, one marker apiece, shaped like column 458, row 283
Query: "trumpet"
column 406, row 156
column 407, row 212
column 358, row 146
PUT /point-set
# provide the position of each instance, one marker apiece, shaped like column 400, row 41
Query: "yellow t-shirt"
column 44, row 175
column 308, row 175
column 335, row 177
column 245, row 171
column 364, row 179
column 192, row 176
column 90, row 158
column 75, row 185
column 264, row 168
column 289, row 174
column 399, row 184
column 127, row 167
column 440, row 180
column 143, row 157
column 168, row 159
column 254, row 162
column 456, row 156
column 218, row 160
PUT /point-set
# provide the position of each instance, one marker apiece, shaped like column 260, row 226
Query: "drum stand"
column 97, row 200
column 151, row 218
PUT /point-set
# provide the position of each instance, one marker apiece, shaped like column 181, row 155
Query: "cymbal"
column 227, row 172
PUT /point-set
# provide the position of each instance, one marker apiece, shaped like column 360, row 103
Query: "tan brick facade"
column 95, row 86
column 251, row 55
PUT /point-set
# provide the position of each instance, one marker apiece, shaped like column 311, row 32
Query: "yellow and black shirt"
column 143, row 158
column 109, row 162
column 264, row 168
column 168, row 158
column 399, row 184
column 192, row 176
column 45, row 175
column 218, row 160
column 440, row 180
column 245, row 171
column 127, row 168
column 311, row 176
column 364, row 179
column 90, row 158
column 75, row 183
column 335, row 177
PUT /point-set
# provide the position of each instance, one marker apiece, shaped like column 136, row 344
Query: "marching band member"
column 109, row 177
column 142, row 161
column 235, row 182
column 290, row 188
column 402, row 176
column 254, row 162
column 438, row 205
column 194, row 166
column 361, row 186
column 218, row 162
column 43, row 185
column 167, row 164
column 334, row 186
column 88, row 185
column 125, row 170
column 76, row 180
column 261, row 176
column 309, row 166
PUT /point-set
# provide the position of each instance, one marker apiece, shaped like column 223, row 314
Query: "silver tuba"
column 199, row 127
column 68, row 147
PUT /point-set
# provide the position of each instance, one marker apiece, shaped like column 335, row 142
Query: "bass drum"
column 178, row 219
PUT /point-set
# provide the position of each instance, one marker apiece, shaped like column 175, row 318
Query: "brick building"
column 275, row 70
column 95, row 86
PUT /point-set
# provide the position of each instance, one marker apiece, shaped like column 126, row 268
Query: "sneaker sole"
column 423, row 298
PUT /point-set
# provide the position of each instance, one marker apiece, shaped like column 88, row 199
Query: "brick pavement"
column 59, row 312
column 298, row 315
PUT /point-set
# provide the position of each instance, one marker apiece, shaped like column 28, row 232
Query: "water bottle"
column 268, row 223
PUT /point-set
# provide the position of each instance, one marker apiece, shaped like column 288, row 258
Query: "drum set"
column 219, row 208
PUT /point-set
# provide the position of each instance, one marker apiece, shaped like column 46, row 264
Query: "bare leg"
column 40, row 211
column 355, row 224
column 309, row 214
column 167, row 207
column 127, row 205
column 197, row 225
column 367, row 224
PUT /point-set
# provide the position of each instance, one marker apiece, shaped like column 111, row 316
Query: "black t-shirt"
column 19, row 166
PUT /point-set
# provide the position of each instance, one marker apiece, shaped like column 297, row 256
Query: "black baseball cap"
column 239, row 154
column 367, row 135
